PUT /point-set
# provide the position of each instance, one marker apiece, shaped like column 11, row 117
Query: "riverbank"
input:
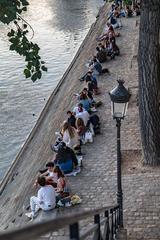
column 97, row 183
column 16, row 187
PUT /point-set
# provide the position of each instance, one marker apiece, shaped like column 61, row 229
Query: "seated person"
column 45, row 200
column 129, row 11
column 96, row 67
column 69, row 135
column 114, row 46
column 83, row 114
column 85, row 102
column 117, row 11
column 137, row 10
column 66, row 158
column 92, row 87
column 81, row 128
column 89, row 95
column 71, row 119
column 106, row 28
column 48, row 173
column 101, row 54
column 51, row 178
column 111, row 32
column 88, row 65
column 78, row 108
column 114, row 22
column 109, row 49
column 91, row 77
column 62, row 189
column 95, row 121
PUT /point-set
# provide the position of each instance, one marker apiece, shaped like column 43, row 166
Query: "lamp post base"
column 120, row 203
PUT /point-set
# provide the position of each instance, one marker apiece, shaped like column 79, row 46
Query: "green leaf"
column 11, row 33
column 37, row 67
column 34, row 77
column 10, row 11
column 27, row 73
column 24, row 2
column 29, row 65
column 24, row 9
column 30, row 56
column 39, row 74
column 19, row 11
column 14, row 40
column 12, row 47
column 24, row 25
column 44, row 68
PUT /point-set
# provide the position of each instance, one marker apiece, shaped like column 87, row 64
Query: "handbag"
column 88, row 137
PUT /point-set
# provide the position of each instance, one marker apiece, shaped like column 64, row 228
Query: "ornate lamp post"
column 119, row 103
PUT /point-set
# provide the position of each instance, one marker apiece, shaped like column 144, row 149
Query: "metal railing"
column 104, row 226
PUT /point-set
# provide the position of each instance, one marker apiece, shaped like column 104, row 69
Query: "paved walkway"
column 96, row 184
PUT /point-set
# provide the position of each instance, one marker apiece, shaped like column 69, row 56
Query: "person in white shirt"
column 77, row 108
column 45, row 200
column 80, row 112
column 83, row 114
column 69, row 135
column 51, row 176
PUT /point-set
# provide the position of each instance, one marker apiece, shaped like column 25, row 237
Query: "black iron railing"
column 105, row 225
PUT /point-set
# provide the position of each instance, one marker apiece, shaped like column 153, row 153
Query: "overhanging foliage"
column 10, row 12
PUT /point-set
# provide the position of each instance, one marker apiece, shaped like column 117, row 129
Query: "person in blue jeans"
column 96, row 67
column 66, row 158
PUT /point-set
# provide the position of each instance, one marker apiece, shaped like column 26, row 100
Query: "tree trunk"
column 149, row 80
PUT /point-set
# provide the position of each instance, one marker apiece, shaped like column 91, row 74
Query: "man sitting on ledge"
column 46, row 199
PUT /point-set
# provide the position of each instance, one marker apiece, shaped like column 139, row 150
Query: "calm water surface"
column 60, row 26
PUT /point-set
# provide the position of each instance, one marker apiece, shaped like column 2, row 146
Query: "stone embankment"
column 96, row 184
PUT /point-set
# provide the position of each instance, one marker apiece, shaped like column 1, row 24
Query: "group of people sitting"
column 54, row 186
column 81, row 124
column 117, row 12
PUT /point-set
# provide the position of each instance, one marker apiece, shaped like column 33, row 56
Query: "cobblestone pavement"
column 96, row 184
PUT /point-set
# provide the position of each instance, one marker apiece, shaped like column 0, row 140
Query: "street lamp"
column 119, row 103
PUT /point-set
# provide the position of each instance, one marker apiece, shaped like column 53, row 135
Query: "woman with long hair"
column 80, row 127
column 62, row 183
column 69, row 135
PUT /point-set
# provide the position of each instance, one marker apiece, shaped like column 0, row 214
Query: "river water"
column 59, row 28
